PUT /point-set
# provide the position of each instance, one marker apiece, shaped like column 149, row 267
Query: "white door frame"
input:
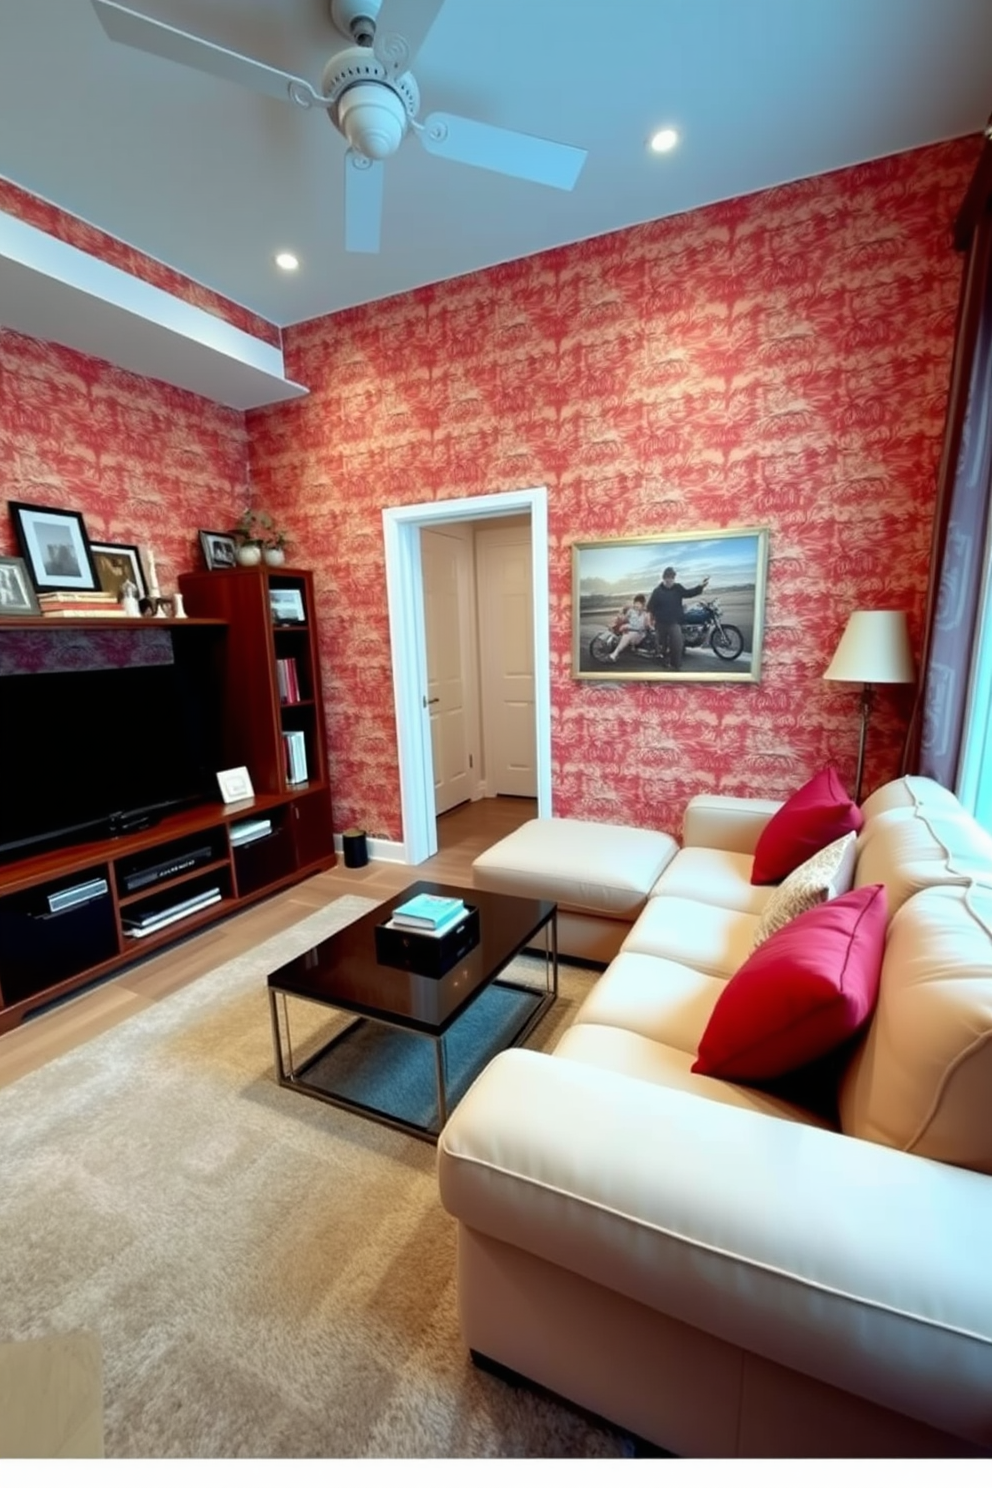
column 408, row 645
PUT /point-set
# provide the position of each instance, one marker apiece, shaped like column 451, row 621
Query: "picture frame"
column 219, row 549
column 17, row 596
column 719, row 638
column 235, row 785
column 55, row 545
column 115, row 564
column 286, row 606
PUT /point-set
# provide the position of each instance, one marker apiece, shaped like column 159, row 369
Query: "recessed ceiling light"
column 664, row 140
column 288, row 261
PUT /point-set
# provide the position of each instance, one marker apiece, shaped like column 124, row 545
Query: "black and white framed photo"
column 115, row 564
column 17, row 596
column 673, row 607
column 235, row 785
column 55, row 545
column 219, row 549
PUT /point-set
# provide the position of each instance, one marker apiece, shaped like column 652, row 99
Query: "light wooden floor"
column 462, row 834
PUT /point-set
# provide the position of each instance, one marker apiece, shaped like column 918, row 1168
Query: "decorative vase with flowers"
column 258, row 537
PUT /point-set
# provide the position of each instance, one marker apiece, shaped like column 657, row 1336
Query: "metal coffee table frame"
column 294, row 1076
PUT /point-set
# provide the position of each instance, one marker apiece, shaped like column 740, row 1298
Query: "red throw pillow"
column 818, row 813
column 802, row 993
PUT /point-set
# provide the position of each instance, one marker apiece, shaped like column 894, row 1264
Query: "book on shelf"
column 295, row 745
column 428, row 911
column 437, row 932
column 288, row 678
column 77, row 596
column 90, row 612
column 95, row 603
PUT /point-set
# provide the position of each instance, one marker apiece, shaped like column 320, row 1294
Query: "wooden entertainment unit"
column 76, row 914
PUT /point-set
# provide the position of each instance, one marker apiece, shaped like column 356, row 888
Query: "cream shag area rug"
column 269, row 1276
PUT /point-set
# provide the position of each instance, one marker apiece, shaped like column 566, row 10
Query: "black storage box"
column 40, row 946
column 428, row 955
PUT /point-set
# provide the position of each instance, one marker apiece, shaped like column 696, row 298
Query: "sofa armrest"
column 848, row 1261
column 733, row 823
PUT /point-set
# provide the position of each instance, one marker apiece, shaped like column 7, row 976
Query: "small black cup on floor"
column 356, row 848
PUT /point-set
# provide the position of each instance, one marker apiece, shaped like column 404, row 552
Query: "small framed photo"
column 55, row 545
column 115, row 564
column 235, row 785
column 219, row 549
column 17, row 596
column 287, row 606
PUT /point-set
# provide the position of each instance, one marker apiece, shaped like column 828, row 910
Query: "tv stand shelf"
column 65, row 913
column 101, row 622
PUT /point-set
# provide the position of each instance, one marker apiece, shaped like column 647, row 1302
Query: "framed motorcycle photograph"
column 676, row 607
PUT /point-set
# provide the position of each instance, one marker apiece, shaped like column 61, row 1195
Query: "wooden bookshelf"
column 76, row 914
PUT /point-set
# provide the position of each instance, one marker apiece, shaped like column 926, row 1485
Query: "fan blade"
column 139, row 31
column 400, row 30
column 363, row 180
column 502, row 150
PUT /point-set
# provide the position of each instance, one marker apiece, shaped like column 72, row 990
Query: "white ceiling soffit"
column 55, row 292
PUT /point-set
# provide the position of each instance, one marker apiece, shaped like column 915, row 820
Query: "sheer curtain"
column 974, row 784
column 958, row 551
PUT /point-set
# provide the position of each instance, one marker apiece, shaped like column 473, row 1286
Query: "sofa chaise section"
column 712, row 1265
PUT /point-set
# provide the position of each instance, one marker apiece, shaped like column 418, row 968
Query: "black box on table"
column 428, row 955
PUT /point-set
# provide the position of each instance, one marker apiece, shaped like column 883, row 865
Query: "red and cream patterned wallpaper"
column 144, row 462
column 777, row 360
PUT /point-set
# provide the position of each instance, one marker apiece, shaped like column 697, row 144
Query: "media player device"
column 153, row 873
column 78, row 894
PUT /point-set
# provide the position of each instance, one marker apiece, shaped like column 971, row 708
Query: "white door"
column 447, row 571
column 402, row 527
column 506, row 645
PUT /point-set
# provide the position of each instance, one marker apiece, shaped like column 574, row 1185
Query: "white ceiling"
column 213, row 179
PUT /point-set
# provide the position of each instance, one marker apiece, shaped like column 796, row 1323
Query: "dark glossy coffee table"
column 370, row 1067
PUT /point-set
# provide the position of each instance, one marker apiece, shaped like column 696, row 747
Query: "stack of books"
column 295, row 748
column 429, row 914
column 69, row 603
column 289, row 682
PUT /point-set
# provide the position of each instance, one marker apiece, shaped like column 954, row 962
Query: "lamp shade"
column 873, row 648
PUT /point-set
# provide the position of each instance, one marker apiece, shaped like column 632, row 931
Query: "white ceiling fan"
column 369, row 95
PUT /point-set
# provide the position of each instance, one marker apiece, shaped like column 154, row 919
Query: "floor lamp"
column 874, row 648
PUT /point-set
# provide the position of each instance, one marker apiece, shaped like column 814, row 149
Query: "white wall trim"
column 404, row 590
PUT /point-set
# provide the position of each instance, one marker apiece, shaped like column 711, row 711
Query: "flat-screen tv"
column 90, row 749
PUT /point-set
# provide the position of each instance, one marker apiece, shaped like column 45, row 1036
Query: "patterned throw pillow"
column 824, row 876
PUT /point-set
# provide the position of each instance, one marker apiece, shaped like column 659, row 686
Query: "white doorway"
column 404, row 586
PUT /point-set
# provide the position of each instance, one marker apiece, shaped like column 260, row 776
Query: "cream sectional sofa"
column 708, row 1264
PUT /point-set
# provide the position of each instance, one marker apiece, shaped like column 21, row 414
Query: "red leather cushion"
column 802, row 993
column 818, row 813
